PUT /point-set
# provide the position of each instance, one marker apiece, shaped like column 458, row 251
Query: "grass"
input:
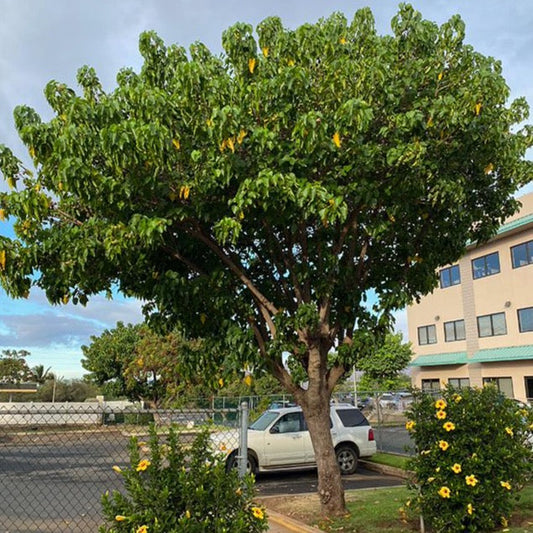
column 389, row 459
column 378, row 510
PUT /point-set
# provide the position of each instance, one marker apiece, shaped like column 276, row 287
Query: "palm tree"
column 40, row 375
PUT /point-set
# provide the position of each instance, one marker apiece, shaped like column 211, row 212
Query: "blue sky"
column 44, row 40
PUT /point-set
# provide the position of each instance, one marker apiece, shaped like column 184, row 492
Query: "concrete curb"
column 289, row 524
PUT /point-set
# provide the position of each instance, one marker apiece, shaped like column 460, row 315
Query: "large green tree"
column 13, row 367
column 256, row 197
column 383, row 365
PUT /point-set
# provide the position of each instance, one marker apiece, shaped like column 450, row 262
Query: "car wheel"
column 347, row 459
column 233, row 462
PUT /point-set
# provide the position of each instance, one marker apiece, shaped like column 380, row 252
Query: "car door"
column 284, row 442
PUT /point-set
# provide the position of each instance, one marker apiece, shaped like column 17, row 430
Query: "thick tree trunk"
column 315, row 403
column 330, row 489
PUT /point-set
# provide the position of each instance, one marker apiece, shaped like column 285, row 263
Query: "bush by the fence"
column 171, row 489
column 473, row 457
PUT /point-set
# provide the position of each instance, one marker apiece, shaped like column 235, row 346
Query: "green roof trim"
column 509, row 353
column 510, row 226
column 453, row 358
column 522, row 221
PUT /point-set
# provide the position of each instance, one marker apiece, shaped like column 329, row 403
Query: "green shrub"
column 172, row 489
column 472, row 458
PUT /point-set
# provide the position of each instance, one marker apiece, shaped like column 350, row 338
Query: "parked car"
column 279, row 440
column 398, row 400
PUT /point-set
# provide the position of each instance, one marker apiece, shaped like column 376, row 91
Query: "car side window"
column 289, row 423
column 352, row 417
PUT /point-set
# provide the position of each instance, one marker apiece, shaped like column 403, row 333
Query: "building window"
column 459, row 383
column 454, row 331
column 427, row 334
column 529, row 388
column 491, row 325
column 504, row 385
column 522, row 254
column 486, row 265
column 430, row 385
column 525, row 319
column 450, row 276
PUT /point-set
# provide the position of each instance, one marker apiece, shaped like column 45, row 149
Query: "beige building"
column 477, row 326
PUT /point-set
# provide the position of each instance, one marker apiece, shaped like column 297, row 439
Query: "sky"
column 41, row 40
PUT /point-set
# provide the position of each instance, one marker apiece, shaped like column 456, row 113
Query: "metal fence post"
column 243, row 439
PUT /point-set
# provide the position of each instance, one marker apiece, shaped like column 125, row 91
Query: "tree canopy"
column 383, row 365
column 256, row 197
column 13, row 367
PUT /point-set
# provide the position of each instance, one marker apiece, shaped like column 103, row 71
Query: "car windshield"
column 264, row 420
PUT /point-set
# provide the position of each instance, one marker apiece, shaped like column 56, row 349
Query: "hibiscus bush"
column 170, row 488
column 472, row 457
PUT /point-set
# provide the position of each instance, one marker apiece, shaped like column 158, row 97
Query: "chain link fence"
column 56, row 459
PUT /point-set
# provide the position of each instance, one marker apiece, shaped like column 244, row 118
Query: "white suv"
column 279, row 440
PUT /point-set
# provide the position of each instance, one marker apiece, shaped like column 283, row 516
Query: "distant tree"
column 382, row 367
column 257, row 197
column 108, row 356
column 70, row 390
column 136, row 362
column 40, row 375
column 165, row 367
column 13, row 366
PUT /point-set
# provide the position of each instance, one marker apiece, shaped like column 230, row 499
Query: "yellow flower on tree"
column 441, row 415
column 457, row 398
column 440, row 404
column 469, row 509
column 457, row 468
column 120, row 518
column 241, row 136
column 471, row 480
column 176, row 143
column 265, row 51
column 2, row 214
column 409, row 426
column 444, row 492
column 449, row 426
column 509, row 431
column 251, row 65
column 443, row 445
column 142, row 529
column 143, row 465
column 336, row 139
column 342, row 40
column 489, row 168
column 477, row 108
column 258, row 513
column 505, row 485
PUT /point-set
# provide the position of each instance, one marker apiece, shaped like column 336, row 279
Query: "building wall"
column 505, row 292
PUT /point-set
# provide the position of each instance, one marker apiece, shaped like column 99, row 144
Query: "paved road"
column 271, row 484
